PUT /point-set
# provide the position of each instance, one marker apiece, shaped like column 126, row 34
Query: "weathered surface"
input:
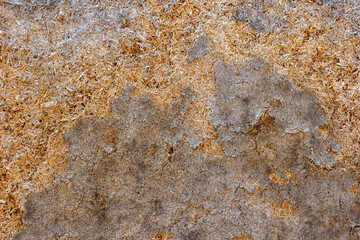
column 138, row 172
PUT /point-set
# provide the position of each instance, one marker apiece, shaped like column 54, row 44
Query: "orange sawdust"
column 161, row 236
column 355, row 190
column 275, row 178
column 281, row 210
column 41, row 97
column 241, row 237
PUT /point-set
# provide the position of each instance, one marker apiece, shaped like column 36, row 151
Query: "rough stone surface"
column 139, row 172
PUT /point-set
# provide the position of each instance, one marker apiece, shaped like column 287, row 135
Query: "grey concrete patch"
column 199, row 48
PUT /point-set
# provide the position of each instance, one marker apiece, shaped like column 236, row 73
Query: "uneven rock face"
column 139, row 172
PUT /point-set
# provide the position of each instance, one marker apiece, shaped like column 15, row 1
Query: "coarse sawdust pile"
column 65, row 60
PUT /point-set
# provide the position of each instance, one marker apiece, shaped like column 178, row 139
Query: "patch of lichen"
column 42, row 95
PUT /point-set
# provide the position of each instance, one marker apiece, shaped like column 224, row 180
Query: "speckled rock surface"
column 138, row 172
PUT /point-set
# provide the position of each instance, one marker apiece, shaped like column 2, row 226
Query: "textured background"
column 262, row 94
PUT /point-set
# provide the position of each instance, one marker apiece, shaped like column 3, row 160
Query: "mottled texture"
column 138, row 172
